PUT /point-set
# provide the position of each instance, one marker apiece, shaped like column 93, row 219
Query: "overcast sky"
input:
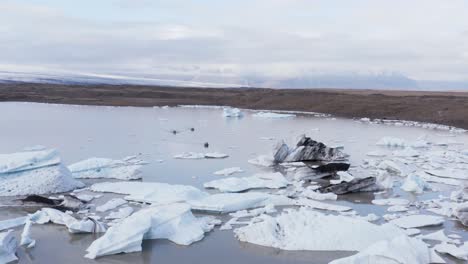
column 422, row 39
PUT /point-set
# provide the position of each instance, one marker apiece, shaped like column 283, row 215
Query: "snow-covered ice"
column 260, row 180
column 125, row 169
column 457, row 252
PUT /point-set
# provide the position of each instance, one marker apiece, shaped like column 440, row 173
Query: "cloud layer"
column 421, row 39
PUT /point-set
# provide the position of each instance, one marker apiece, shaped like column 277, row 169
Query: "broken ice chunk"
column 391, row 201
column 262, row 160
column 8, row 245
column 232, row 112
column 231, row 202
column 228, row 171
column 174, row 222
column 111, row 204
column 12, row 223
column 414, row 183
column 457, row 252
column 414, row 221
column 261, row 180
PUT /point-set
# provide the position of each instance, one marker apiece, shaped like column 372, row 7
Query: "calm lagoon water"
column 81, row 132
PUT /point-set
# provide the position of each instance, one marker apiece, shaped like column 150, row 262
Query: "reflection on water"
column 80, row 132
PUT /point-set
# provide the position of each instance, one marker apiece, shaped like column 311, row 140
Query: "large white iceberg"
column 174, row 222
column 125, row 169
column 151, row 192
column 304, row 229
column 260, row 180
column 34, row 172
column 8, row 245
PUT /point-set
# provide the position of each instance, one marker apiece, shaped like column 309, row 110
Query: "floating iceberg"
column 414, row 221
column 307, row 149
column 401, row 250
column 195, row 155
column 174, row 222
column 34, row 172
column 262, row 160
column 414, row 183
column 151, row 192
column 261, row 180
column 8, row 245
column 228, row 171
column 12, row 223
column 391, row 142
column 457, row 252
column 231, row 202
column 232, row 112
column 125, row 169
column 273, row 115
column 304, row 229
column 391, row 201
column 322, row 206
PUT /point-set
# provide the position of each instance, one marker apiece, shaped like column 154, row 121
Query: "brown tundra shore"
column 448, row 108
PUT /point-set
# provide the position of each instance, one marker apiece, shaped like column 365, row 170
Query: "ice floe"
column 457, row 252
column 125, row 169
column 260, row 180
column 151, row 192
column 232, row 112
column 231, row 202
column 391, row 201
column 414, row 221
column 12, row 223
column 34, row 172
column 195, row 155
column 8, row 245
column 304, row 229
column 262, row 160
column 273, row 115
column 228, row 171
column 322, row 205
column 174, row 222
